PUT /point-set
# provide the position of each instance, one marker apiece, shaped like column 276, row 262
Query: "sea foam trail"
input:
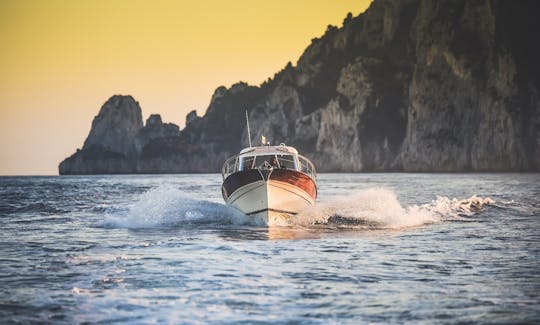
column 374, row 208
column 379, row 208
column 165, row 206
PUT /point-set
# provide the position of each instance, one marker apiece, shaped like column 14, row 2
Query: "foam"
column 166, row 206
column 373, row 208
column 379, row 208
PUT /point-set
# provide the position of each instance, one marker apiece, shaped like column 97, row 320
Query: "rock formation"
column 411, row 85
column 473, row 102
column 110, row 146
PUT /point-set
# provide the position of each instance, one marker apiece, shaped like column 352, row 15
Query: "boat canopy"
column 268, row 149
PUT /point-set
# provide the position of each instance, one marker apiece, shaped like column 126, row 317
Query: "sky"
column 60, row 60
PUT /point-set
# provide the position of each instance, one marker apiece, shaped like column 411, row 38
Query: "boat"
column 270, row 184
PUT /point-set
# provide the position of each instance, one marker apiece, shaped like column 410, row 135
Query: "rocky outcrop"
column 110, row 145
column 410, row 85
column 119, row 143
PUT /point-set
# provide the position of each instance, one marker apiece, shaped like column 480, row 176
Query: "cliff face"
column 115, row 127
column 473, row 94
column 413, row 85
column 110, row 146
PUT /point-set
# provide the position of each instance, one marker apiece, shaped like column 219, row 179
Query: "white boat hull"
column 270, row 202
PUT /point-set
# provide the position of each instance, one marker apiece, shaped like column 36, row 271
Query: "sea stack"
column 110, row 146
column 119, row 143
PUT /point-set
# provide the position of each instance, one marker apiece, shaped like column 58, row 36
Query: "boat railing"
column 307, row 167
column 230, row 166
column 304, row 165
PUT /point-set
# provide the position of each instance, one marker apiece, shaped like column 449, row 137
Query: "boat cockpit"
column 268, row 158
column 279, row 161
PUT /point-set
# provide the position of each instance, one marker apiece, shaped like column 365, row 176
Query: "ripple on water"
column 140, row 249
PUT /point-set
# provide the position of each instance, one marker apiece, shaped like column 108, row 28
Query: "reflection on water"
column 301, row 233
column 293, row 233
column 270, row 233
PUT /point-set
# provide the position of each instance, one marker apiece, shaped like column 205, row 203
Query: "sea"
column 387, row 248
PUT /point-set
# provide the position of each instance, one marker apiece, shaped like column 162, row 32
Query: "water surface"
column 377, row 248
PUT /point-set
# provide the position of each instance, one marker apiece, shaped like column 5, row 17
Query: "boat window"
column 246, row 163
column 286, row 161
column 275, row 161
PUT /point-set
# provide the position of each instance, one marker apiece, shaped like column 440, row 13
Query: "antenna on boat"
column 249, row 133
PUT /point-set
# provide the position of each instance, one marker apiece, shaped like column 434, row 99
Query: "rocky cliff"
column 473, row 96
column 412, row 85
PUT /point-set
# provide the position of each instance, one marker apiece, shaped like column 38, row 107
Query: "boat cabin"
column 281, row 157
column 268, row 158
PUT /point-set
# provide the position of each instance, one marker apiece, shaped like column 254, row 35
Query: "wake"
column 169, row 207
column 379, row 208
column 374, row 208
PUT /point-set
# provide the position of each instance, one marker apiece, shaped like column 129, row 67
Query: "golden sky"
column 60, row 60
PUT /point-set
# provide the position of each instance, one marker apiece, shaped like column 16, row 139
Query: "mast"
column 248, row 131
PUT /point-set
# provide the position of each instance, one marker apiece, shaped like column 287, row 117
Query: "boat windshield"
column 247, row 163
column 268, row 161
column 282, row 161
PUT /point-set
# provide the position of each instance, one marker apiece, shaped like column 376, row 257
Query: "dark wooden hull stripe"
column 239, row 179
column 296, row 179
column 235, row 181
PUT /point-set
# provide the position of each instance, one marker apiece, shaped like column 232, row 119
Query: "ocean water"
column 376, row 248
